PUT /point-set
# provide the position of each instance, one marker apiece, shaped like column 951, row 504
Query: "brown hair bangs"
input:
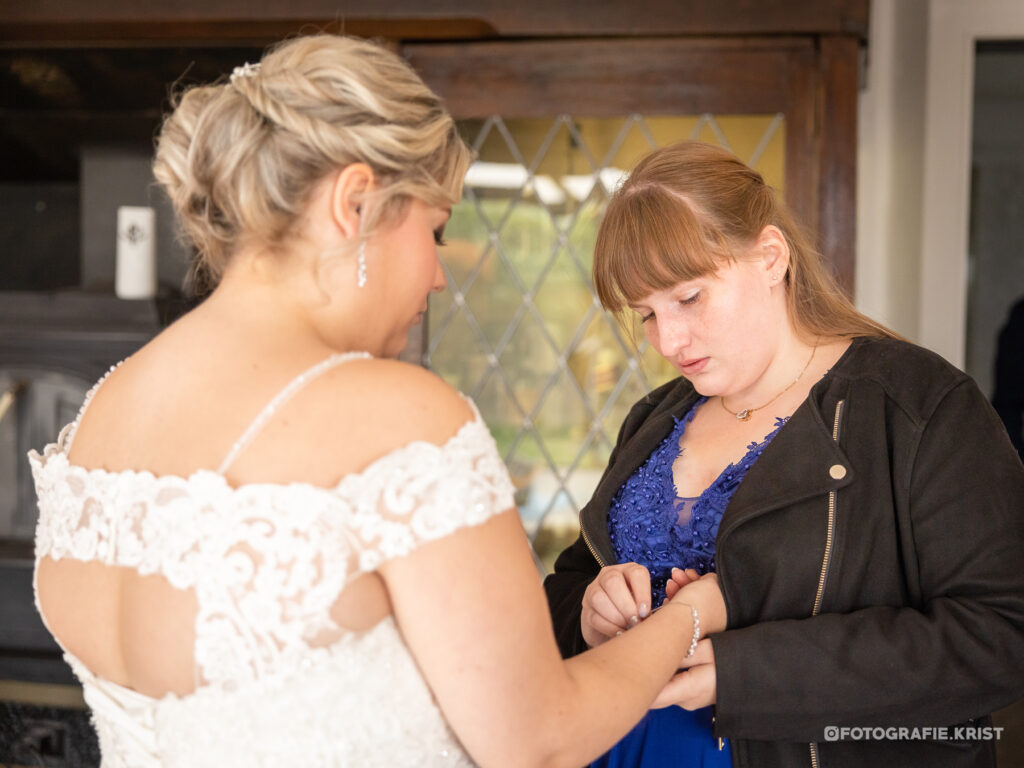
column 651, row 239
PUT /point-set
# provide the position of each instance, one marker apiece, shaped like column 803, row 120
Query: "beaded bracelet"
column 696, row 633
column 696, row 625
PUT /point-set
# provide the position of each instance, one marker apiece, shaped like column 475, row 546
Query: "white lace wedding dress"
column 278, row 683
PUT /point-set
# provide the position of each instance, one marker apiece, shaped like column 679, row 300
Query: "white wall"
column 914, row 161
column 890, row 157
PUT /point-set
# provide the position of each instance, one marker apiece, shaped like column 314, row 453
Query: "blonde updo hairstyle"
column 688, row 209
column 239, row 159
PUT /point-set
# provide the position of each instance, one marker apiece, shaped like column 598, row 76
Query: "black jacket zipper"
column 827, row 557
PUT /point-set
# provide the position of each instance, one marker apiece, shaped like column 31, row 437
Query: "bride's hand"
column 619, row 598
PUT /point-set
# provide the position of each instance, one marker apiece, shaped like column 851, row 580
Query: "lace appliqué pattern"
column 650, row 524
column 268, row 561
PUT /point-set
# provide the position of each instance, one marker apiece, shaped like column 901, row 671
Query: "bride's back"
column 166, row 413
column 214, row 525
column 292, row 179
column 228, row 555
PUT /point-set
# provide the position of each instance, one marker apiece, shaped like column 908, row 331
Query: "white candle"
column 135, row 270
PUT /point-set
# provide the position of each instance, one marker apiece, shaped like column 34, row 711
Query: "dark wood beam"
column 219, row 32
column 611, row 77
column 141, row 20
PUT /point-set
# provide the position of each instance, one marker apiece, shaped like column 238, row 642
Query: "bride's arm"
column 472, row 610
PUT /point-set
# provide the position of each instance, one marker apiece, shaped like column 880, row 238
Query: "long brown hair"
column 686, row 209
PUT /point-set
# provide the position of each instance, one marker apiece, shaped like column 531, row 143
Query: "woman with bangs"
column 854, row 496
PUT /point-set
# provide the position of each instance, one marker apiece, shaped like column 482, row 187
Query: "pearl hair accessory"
column 245, row 70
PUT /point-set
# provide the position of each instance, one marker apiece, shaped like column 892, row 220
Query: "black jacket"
column 871, row 565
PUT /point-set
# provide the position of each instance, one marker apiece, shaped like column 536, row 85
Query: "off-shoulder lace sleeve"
column 267, row 561
column 423, row 492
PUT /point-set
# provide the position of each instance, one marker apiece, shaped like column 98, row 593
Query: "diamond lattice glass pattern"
column 520, row 329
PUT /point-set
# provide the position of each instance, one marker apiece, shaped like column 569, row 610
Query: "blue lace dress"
column 649, row 524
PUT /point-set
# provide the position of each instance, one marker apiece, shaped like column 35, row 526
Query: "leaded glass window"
column 520, row 329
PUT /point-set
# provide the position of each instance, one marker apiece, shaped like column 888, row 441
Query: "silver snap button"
column 837, row 471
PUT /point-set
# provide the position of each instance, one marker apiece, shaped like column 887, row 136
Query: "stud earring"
column 361, row 265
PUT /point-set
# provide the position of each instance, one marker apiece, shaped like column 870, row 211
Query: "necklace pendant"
column 744, row 415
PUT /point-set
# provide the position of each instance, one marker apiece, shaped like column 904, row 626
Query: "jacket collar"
column 801, row 461
column 797, row 464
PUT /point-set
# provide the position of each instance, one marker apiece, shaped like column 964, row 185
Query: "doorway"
column 995, row 276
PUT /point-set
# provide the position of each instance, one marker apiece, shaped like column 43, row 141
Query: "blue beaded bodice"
column 649, row 524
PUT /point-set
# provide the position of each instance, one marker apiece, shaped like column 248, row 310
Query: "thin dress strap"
column 72, row 428
column 280, row 399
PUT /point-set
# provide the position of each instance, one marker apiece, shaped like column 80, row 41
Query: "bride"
column 264, row 541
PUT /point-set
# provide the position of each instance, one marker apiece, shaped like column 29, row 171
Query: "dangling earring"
column 361, row 264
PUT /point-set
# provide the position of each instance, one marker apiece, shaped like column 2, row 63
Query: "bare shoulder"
column 337, row 423
column 353, row 415
column 411, row 402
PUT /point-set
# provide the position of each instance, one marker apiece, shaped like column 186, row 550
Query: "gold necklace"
column 744, row 415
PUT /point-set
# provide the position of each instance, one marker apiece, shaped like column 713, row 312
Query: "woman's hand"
column 694, row 687
column 678, row 580
column 702, row 593
column 619, row 598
